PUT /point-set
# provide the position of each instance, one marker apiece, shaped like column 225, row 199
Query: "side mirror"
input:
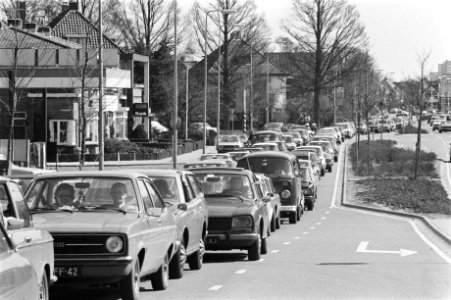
column 13, row 223
column 182, row 206
column 156, row 212
column 270, row 195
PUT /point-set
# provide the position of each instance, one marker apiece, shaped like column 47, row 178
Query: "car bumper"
column 93, row 270
column 229, row 241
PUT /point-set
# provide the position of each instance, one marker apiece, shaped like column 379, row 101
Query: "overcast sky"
column 398, row 30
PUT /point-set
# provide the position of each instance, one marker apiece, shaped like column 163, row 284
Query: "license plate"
column 67, row 271
column 212, row 240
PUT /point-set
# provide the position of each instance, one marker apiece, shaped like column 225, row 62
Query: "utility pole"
column 101, row 143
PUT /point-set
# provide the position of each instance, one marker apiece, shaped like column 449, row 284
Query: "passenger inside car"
column 65, row 194
column 119, row 194
column 163, row 188
column 237, row 188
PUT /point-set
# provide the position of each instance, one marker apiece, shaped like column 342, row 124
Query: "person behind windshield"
column 237, row 188
column 65, row 195
column 119, row 194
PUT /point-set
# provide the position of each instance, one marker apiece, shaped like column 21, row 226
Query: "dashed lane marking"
column 305, row 232
column 297, row 237
column 323, row 218
column 215, row 288
column 275, row 251
column 261, row 260
column 286, row 243
column 318, row 223
column 240, row 271
column 311, row 228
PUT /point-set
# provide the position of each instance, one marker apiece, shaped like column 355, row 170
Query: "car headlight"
column 285, row 194
column 242, row 224
column 114, row 244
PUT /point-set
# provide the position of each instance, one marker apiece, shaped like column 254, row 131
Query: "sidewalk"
column 437, row 222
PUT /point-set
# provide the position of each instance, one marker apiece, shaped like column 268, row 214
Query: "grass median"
column 389, row 178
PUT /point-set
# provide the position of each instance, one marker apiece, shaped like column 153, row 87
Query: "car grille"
column 219, row 224
column 83, row 244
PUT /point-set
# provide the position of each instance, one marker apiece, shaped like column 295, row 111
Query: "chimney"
column 30, row 27
column 65, row 5
column 45, row 30
column 73, row 5
column 21, row 10
column 15, row 23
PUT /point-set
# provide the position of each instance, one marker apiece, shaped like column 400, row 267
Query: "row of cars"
column 440, row 122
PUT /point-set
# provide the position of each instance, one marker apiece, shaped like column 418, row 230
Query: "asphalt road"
column 332, row 253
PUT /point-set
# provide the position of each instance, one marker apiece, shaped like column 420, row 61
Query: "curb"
column 431, row 226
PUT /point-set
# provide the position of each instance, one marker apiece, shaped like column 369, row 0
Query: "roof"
column 13, row 37
column 223, row 171
column 272, row 154
column 73, row 23
column 106, row 174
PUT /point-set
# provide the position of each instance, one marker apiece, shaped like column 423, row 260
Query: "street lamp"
column 188, row 61
column 224, row 12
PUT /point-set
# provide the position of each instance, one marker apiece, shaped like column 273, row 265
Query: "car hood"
column 85, row 221
column 228, row 206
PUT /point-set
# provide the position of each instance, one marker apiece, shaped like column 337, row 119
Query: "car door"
column 262, row 206
column 35, row 245
column 196, row 204
column 151, row 231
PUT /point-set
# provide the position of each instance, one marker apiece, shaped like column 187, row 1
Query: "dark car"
column 266, row 136
column 283, row 168
column 237, row 210
column 309, row 187
column 183, row 191
column 109, row 227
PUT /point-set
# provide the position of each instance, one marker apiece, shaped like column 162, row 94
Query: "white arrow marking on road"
column 363, row 248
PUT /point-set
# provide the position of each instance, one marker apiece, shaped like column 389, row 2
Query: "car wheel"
column 323, row 172
column 264, row 246
column 130, row 285
column 160, row 278
column 44, row 287
column 310, row 205
column 298, row 213
column 278, row 223
column 329, row 168
column 335, row 158
column 273, row 224
column 254, row 252
column 178, row 262
column 196, row 260
column 293, row 218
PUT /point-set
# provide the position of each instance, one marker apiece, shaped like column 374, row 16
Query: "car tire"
column 130, row 285
column 160, row 278
column 254, row 251
column 44, row 288
column 299, row 212
column 323, row 172
column 196, row 260
column 310, row 205
column 293, row 218
column 335, row 158
column 264, row 246
column 278, row 222
column 177, row 263
column 329, row 168
column 273, row 224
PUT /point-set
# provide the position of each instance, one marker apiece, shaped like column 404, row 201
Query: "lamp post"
column 224, row 12
column 188, row 61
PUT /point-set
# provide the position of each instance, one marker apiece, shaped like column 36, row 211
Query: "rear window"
column 271, row 166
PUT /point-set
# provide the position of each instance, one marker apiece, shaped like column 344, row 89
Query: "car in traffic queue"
column 266, row 136
column 289, row 141
column 327, row 148
column 212, row 163
column 230, row 142
column 297, row 138
column 18, row 278
column 309, row 187
column 283, row 169
column 108, row 227
column 325, row 157
column 321, row 137
column 182, row 190
column 444, row 126
column 319, row 154
column 313, row 158
column 252, row 149
column 237, row 211
column 269, row 190
column 267, row 146
column 331, row 131
column 34, row 244
column 305, row 163
column 281, row 146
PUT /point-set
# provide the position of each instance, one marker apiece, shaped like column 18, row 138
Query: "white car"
column 267, row 146
column 230, row 142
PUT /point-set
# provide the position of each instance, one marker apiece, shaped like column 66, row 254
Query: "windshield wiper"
column 226, row 196
column 121, row 210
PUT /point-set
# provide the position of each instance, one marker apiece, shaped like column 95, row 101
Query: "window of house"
column 63, row 132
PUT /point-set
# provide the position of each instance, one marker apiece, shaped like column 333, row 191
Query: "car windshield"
column 82, row 194
column 272, row 166
column 167, row 186
column 263, row 137
column 225, row 185
column 229, row 138
column 213, row 156
column 288, row 138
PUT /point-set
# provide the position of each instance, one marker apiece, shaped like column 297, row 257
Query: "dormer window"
column 81, row 39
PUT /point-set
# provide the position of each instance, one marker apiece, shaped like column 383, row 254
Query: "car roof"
column 164, row 172
column 130, row 174
column 274, row 154
column 267, row 131
column 223, row 170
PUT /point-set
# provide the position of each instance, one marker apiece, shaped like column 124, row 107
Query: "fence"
column 164, row 150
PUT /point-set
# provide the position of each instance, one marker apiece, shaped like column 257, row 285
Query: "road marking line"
column 297, row 238
column 261, row 260
column 286, row 243
column 430, row 244
column 323, row 218
column 305, row 232
column 311, row 228
column 337, row 177
column 215, row 288
column 327, row 212
column 275, row 251
column 364, row 245
column 318, row 223
column 240, row 271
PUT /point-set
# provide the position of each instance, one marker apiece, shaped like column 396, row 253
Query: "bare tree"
column 244, row 26
column 326, row 33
